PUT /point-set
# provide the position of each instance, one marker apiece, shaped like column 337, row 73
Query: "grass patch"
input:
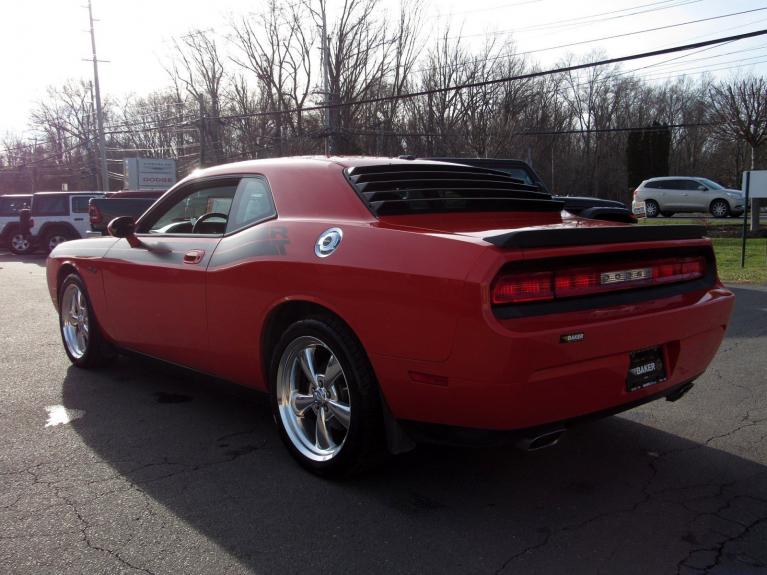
column 728, row 260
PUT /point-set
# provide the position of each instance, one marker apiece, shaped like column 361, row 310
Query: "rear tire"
column 54, row 238
column 80, row 331
column 652, row 209
column 325, row 398
column 20, row 244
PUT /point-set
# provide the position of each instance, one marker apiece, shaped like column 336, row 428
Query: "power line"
column 525, row 76
column 592, row 40
column 585, row 20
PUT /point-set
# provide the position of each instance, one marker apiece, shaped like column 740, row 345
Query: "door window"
column 204, row 209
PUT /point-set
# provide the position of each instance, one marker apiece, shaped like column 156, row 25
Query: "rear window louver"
column 426, row 188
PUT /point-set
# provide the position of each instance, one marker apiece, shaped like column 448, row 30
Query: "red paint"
column 417, row 292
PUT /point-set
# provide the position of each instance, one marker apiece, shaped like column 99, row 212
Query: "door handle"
column 79, row 219
column 193, row 256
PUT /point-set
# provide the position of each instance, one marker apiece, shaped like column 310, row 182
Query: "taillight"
column 635, row 193
column 522, row 287
column 519, row 287
column 94, row 214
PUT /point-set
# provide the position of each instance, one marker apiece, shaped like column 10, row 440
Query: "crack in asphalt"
column 648, row 496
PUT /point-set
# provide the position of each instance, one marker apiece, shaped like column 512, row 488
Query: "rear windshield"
column 390, row 189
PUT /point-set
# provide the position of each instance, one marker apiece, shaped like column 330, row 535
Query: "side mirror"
column 702, row 188
column 124, row 227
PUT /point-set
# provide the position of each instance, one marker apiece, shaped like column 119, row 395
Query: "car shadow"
column 38, row 259
column 617, row 492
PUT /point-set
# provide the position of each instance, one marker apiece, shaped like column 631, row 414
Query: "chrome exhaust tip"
column 542, row 441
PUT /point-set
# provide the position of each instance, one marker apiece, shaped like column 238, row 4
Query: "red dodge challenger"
column 380, row 302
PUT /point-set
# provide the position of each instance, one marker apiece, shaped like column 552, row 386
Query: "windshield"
column 710, row 184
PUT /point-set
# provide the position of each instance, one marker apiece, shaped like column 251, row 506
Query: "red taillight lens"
column 602, row 278
column 523, row 287
column 679, row 270
column 94, row 214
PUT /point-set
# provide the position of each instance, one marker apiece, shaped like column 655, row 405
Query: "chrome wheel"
column 313, row 398
column 20, row 243
column 74, row 321
column 720, row 209
column 55, row 240
column 651, row 208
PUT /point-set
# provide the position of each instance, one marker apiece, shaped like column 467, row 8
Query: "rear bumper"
column 515, row 374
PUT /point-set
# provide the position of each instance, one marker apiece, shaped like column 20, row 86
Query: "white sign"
column 149, row 173
column 758, row 185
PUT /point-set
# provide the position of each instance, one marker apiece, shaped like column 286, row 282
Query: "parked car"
column 10, row 205
column 583, row 206
column 381, row 301
column 669, row 195
column 101, row 211
column 56, row 217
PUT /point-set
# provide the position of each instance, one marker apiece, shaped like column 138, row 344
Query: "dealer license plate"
column 645, row 368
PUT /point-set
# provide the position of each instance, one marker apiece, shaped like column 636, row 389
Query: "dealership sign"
column 149, row 173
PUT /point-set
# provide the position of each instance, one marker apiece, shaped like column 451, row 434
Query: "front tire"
column 720, row 209
column 325, row 398
column 652, row 209
column 20, row 244
column 80, row 332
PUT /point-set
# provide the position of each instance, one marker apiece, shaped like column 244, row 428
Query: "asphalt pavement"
column 142, row 468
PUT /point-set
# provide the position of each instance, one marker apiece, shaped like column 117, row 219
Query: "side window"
column 675, row 185
column 694, row 185
column 80, row 204
column 252, row 204
column 52, row 205
column 653, row 185
column 185, row 216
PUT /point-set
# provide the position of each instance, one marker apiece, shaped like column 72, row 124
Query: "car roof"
column 70, row 193
column 298, row 162
column 659, row 178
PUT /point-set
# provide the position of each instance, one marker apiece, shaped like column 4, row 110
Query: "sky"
column 43, row 42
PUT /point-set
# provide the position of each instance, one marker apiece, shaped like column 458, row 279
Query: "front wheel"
column 325, row 398
column 20, row 244
column 80, row 331
column 720, row 209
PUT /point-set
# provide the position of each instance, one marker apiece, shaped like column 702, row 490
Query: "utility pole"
column 99, row 112
column 329, row 138
column 203, row 135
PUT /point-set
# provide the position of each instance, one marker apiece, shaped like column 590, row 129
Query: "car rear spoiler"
column 555, row 237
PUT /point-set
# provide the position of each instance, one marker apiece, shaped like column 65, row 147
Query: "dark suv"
column 583, row 206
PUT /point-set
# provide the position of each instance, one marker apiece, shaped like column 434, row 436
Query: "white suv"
column 669, row 195
column 56, row 217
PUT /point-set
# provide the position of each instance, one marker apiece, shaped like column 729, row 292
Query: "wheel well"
column 718, row 200
column 64, row 271
column 61, row 227
column 280, row 318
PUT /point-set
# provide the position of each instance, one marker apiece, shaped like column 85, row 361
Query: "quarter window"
column 80, row 204
column 252, row 204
